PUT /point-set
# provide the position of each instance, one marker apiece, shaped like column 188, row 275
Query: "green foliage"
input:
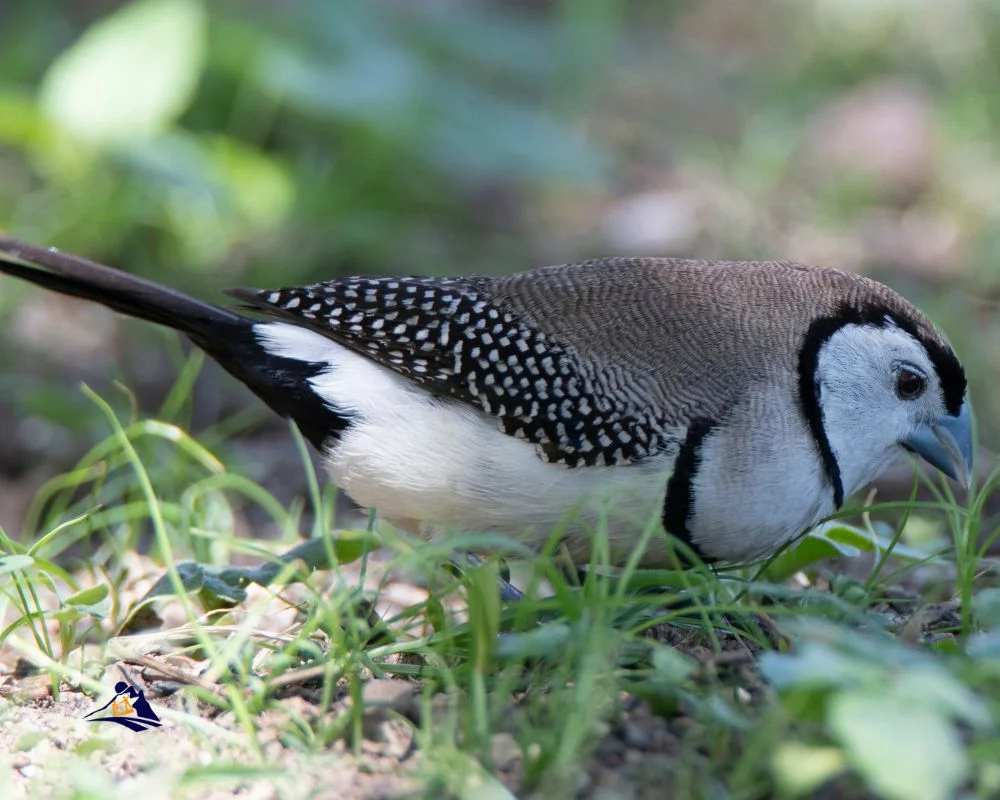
column 131, row 75
column 286, row 144
column 841, row 699
column 897, row 713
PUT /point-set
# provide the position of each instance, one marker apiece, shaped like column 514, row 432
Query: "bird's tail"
column 127, row 294
column 226, row 336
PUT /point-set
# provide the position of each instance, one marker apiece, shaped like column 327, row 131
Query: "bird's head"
column 885, row 388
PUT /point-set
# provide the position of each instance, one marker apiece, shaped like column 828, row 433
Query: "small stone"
column 395, row 695
column 636, row 735
column 28, row 690
column 505, row 751
column 383, row 700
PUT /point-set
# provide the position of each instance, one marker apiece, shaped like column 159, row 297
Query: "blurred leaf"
column 479, row 133
column 218, row 190
column 95, row 600
column 719, row 709
column 868, row 542
column 905, row 751
column 258, row 186
column 455, row 120
column 937, row 688
column 498, row 38
column 478, row 784
column 834, row 656
column 662, row 688
column 671, row 664
column 834, row 540
column 20, row 122
column 986, row 607
column 816, row 665
column 68, row 615
column 542, row 642
column 812, row 549
column 801, row 769
column 131, row 74
column 985, row 648
column 364, row 82
column 889, row 705
column 15, row 562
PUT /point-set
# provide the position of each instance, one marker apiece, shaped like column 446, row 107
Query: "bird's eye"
column 910, row 385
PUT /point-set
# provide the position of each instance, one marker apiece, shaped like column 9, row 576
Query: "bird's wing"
column 469, row 339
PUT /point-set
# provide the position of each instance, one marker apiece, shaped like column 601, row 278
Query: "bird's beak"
column 947, row 445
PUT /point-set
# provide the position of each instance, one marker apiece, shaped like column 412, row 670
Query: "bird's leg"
column 508, row 592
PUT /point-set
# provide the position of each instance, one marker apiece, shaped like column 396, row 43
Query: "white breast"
column 431, row 465
column 761, row 481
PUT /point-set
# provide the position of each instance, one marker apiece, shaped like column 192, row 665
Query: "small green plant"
column 851, row 683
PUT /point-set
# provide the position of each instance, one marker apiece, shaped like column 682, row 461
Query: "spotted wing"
column 448, row 336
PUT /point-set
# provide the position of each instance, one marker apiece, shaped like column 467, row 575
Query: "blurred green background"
column 264, row 143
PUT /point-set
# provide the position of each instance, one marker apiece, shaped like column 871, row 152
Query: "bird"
column 734, row 405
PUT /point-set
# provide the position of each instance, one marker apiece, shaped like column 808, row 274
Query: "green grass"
column 868, row 690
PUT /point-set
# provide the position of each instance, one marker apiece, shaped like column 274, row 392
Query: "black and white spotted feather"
column 449, row 337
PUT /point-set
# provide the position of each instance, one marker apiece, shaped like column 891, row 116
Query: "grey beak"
column 947, row 445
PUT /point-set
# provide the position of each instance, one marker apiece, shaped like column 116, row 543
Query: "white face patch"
column 864, row 417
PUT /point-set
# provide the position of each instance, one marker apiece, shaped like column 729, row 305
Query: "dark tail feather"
column 128, row 294
column 228, row 337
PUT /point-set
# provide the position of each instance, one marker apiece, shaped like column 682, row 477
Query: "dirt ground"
column 47, row 749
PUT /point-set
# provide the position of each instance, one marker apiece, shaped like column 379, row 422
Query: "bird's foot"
column 508, row 592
